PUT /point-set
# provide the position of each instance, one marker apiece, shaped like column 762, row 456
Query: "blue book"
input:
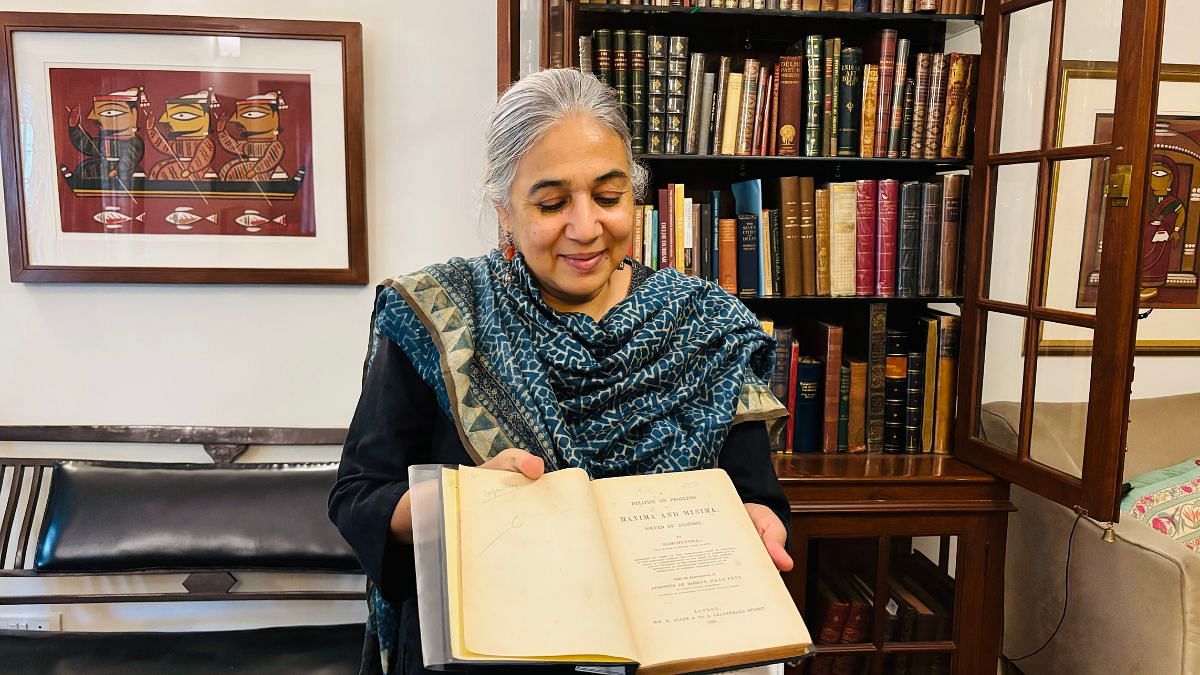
column 862, row 5
column 653, row 239
column 807, row 417
column 747, row 201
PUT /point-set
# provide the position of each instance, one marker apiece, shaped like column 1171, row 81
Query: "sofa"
column 1135, row 603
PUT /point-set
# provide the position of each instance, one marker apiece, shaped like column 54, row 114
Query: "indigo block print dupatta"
column 654, row 386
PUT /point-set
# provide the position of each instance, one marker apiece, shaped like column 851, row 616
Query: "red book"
column 791, row 395
column 666, row 239
column 865, row 233
column 773, row 114
column 887, row 210
column 887, row 79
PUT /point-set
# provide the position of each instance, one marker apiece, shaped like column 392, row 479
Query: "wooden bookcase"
column 869, row 513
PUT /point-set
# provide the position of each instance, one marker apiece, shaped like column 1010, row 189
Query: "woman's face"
column 571, row 212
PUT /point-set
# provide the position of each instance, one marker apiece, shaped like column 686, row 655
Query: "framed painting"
column 173, row 149
column 1170, row 227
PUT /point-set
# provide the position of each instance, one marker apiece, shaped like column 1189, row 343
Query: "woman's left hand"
column 773, row 534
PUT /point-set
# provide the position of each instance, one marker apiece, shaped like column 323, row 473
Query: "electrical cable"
column 1066, row 592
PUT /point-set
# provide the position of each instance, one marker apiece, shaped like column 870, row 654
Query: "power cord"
column 1079, row 513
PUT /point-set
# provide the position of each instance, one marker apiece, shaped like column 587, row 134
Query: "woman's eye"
column 608, row 201
column 551, row 207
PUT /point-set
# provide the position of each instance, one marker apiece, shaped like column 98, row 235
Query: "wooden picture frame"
column 179, row 149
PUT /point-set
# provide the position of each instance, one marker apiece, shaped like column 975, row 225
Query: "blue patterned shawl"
column 654, row 386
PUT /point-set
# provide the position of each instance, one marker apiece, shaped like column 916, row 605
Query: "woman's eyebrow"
column 546, row 183
column 615, row 173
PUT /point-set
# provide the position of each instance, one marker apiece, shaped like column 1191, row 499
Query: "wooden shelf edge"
column 915, row 17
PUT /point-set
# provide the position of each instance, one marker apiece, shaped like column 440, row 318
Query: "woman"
column 563, row 354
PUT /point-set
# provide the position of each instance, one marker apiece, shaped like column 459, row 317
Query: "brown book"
column 695, row 84
column 834, row 92
column 833, row 611
column 943, row 418
column 952, row 194
column 824, row 342
column 916, row 146
column 773, row 114
column 811, row 5
column 956, row 82
column 760, row 112
column 858, row 620
column 934, row 110
column 870, row 99
column 790, row 92
column 887, row 83
column 927, row 5
column 789, row 210
column 926, row 339
column 857, row 436
column 845, row 5
column 745, row 116
column 896, row 119
column 821, row 238
column 728, row 254
column 719, row 105
column 808, row 235
column 829, row 5
column 966, row 124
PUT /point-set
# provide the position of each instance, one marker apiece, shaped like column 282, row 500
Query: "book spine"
column 719, row 105
column 778, row 275
column 931, row 220
column 666, row 227
column 733, row 103
column 827, row 86
column 808, row 427
column 887, row 79
column 790, row 403
column 885, row 242
column 714, row 226
column 790, row 72
column 832, row 352
column 910, row 239
column 680, row 230
column 637, row 91
column 916, row 146
column 620, row 68
column 895, row 394
column 862, row 6
column 602, row 39
column 927, row 5
column 869, row 99
column 691, row 142
column 689, row 239
column 748, row 254
column 843, row 435
column 656, row 94
column 866, row 230
column 850, row 98
column 793, row 262
column 807, row 213
column 773, row 113
column 707, row 94
column 937, row 90
column 760, row 99
column 914, row 401
column 814, row 94
column 906, row 119
column 677, row 67
column 842, row 239
column 727, row 251
column 952, row 193
column 966, row 124
column 585, row 54
column 943, row 431
column 833, row 91
column 703, row 226
column 822, row 248
column 745, row 128
column 900, row 79
column 877, row 352
column 856, row 434
column 929, row 329
column 955, row 83
column 639, row 229
column 783, row 351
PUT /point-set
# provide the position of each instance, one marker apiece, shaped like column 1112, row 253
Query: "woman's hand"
column 773, row 534
column 512, row 459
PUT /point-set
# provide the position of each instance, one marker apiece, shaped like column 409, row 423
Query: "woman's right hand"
column 511, row 459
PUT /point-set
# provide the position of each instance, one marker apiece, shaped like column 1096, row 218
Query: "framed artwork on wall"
column 1171, row 226
column 174, row 149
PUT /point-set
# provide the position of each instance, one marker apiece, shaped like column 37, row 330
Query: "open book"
column 665, row 571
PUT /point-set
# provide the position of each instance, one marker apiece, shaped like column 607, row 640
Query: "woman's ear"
column 502, row 216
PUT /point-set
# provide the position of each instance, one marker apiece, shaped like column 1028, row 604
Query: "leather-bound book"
column 887, row 81
column 809, row 406
column 843, row 437
column 899, row 79
column 947, row 386
column 810, row 5
column 926, row 339
column 916, row 146
column 931, row 225
column 807, row 221
column 887, row 209
column 862, row 5
column 733, row 103
column 656, row 94
column 602, row 40
column 927, row 5
column 829, row 5
column 791, row 68
column 895, row 391
column 858, row 621
column 910, row 239
column 876, row 365
column 703, row 226
column 856, row 434
column 620, row 67
column 966, row 125
column 937, row 98
column 832, row 612
column 814, row 93
column 790, row 401
column 691, row 139
column 842, row 236
column 793, row 262
column 718, row 124
column 677, row 89
column 833, row 61
column 820, row 238
column 870, row 99
column 850, row 95
column 952, row 194
column 749, row 258
column 914, row 401
column 714, row 216
column 707, row 96
column 823, row 341
column 783, row 352
column 637, row 90
column 906, row 118
column 778, row 274
column 865, row 230
column 745, row 129
column 772, row 130
column 845, row 5
column 585, row 55
column 956, row 82
column 727, row 252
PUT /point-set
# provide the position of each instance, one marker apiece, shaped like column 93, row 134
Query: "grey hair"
column 536, row 102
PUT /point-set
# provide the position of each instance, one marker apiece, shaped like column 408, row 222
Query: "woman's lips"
column 584, row 262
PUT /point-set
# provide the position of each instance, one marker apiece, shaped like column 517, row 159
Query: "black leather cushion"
column 124, row 517
column 324, row 650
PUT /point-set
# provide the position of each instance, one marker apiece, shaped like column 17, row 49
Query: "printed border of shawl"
column 434, row 305
column 756, row 402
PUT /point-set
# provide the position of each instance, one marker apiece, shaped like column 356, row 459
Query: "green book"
column 843, row 434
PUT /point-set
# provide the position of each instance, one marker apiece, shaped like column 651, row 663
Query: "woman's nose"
column 583, row 220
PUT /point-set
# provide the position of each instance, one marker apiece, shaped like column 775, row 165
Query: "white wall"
column 259, row 355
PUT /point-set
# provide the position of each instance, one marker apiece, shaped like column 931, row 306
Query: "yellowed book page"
column 696, row 579
column 536, row 578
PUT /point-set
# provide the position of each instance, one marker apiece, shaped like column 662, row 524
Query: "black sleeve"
column 391, row 430
column 746, row 457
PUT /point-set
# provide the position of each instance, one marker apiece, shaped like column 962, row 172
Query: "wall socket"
column 31, row 622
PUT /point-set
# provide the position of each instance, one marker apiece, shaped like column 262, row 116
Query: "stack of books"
column 822, row 99
column 860, row 6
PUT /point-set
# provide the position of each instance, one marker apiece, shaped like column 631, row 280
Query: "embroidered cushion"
column 1169, row 501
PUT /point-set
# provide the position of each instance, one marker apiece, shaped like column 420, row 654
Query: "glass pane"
column 1077, row 210
column 1012, row 232
column 1060, row 400
column 1024, row 79
column 922, row 590
column 1091, row 35
column 1003, row 370
column 841, row 589
column 529, row 48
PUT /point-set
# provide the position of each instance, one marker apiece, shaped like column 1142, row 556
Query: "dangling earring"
column 621, row 265
column 506, row 244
